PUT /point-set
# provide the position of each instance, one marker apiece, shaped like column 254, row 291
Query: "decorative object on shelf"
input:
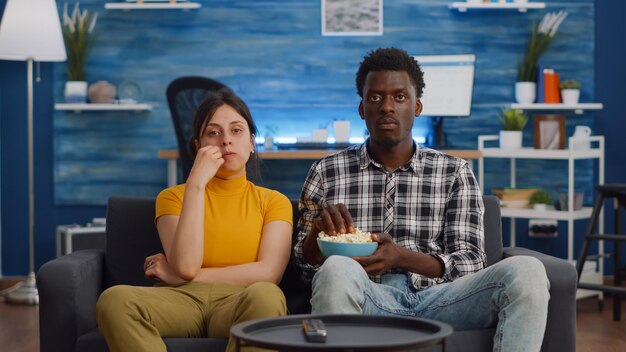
column 570, row 92
column 549, row 131
column 540, row 200
column 517, row 198
column 77, row 33
column 539, row 42
column 525, row 92
column 564, row 200
column 129, row 92
column 580, row 138
column 319, row 135
column 513, row 122
column 270, row 132
column 551, row 87
column 341, row 129
column 102, row 92
column 30, row 31
column 75, row 92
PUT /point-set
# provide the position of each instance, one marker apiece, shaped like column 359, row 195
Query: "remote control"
column 314, row 330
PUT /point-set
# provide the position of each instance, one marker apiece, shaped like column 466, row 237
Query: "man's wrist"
column 442, row 265
column 421, row 263
column 311, row 250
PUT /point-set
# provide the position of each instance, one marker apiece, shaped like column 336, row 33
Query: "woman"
column 226, row 242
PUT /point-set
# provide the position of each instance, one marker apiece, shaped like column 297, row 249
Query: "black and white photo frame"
column 352, row 17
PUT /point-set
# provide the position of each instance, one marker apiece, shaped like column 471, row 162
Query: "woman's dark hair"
column 390, row 59
column 207, row 109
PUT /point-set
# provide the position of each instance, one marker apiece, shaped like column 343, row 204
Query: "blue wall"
column 271, row 53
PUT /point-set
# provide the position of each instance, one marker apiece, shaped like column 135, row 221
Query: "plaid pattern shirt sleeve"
column 463, row 232
column 310, row 206
column 431, row 205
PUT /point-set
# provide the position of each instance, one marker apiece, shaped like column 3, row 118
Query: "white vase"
column 570, row 96
column 341, row 130
column 525, row 92
column 510, row 139
column 319, row 135
column 76, row 92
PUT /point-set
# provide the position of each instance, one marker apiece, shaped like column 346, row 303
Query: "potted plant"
column 541, row 36
column 513, row 122
column 77, row 33
column 570, row 92
column 540, row 200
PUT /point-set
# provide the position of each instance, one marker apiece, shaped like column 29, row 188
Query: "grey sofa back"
column 493, row 229
column 132, row 236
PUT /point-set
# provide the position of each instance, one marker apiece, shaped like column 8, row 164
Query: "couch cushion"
column 131, row 237
column 493, row 229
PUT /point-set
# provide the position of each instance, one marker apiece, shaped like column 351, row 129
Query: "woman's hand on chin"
column 208, row 161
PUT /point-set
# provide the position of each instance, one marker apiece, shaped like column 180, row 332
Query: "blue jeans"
column 511, row 295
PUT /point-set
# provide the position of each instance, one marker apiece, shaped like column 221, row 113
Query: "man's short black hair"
column 390, row 59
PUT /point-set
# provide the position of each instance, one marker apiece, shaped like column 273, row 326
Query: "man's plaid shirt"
column 431, row 205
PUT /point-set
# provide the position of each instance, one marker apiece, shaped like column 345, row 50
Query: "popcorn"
column 357, row 236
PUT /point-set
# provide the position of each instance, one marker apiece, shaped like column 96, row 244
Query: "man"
column 425, row 210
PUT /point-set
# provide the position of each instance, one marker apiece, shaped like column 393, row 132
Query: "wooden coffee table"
column 346, row 332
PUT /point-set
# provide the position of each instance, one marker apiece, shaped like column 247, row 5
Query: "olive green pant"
column 135, row 318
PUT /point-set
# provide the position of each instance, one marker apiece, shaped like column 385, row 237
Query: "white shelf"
column 102, row 107
column 521, row 7
column 578, row 108
column 152, row 6
column 523, row 213
column 570, row 155
column 532, row 153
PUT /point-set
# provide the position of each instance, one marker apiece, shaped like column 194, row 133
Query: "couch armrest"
column 561, row 328
column 69, row 287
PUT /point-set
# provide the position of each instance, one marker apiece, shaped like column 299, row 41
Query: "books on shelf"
column 551, row 86
column 540, row 85
column 548, row 86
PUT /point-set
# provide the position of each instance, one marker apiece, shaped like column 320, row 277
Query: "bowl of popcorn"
column 355, row 244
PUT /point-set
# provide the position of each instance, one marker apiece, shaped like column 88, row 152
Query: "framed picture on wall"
column 352, row 17
column 549, row 131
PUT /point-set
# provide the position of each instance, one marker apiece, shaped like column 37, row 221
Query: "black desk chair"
column 184, row 95
column 618, row 193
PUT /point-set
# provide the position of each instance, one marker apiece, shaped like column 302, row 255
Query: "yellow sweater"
column 235, row 212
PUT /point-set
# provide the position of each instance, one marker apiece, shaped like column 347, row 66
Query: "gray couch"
column 69, row 286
